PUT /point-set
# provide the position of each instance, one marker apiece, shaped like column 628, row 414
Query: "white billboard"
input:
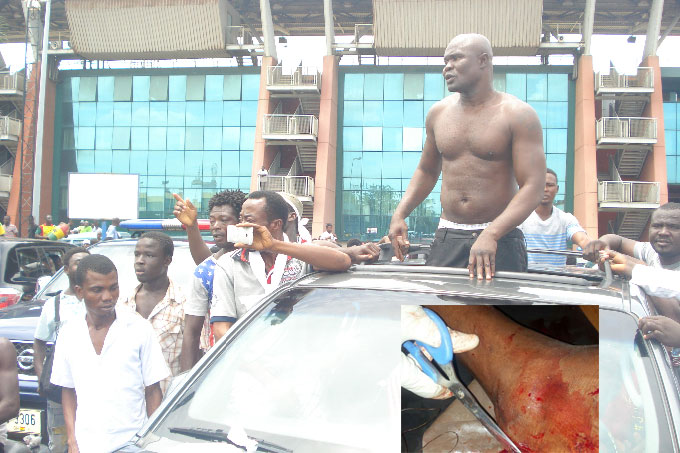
column 103, row 196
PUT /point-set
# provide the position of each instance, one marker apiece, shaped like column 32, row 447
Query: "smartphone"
column 244, row 235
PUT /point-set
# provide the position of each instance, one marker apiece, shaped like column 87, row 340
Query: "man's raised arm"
column 528, row 162
column 187, row 214
column 423, row 181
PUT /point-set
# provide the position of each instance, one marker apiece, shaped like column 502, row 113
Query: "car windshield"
column 312, row 372
column 632, row 411
column 122, row 254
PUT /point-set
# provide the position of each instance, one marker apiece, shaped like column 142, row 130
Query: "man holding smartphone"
column 245, row 275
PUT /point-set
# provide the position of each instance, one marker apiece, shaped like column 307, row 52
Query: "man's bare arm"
column 191, row 351
column 580, row 238
column 423, row 181
column 69, row 402
column 528, row 162
column 220, row 329
column 187, row 214
column 9, row 381
column 39, row 351
column 153, row 396
column 611, row 242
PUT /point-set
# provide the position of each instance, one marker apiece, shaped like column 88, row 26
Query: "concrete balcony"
column 10, row 131
column 626, row 131
column 615, row 83
column 289, row 129
column 302, row 81
column 11, row 86
column 625, row 195
column 300, row 186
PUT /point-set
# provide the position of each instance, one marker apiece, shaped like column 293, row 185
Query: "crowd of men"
column 115, row 355
column 48, row 230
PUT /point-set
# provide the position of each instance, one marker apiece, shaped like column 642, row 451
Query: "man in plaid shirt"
column 158, row 299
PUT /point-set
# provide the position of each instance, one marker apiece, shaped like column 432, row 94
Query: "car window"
column 55, row 257
column 26, row 264
column 632, row 411
column 312, row 372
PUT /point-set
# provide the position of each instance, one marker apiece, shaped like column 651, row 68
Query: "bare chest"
column 485, row 135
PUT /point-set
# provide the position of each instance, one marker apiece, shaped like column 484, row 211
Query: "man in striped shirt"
column 548, row 227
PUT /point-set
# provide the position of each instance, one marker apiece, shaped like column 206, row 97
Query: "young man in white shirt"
column 245, row 275
column 328, row 234
column 109, row 363
column 46, row 331
column 548, row 227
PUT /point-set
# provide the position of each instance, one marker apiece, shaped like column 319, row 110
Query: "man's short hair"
column 353, row 242
column 552, row 172
column 163, row 240
column 98, row 264
column 73, row 251
column 233, row 198
column 329, row 224
column 670, row 206
column 277, row 208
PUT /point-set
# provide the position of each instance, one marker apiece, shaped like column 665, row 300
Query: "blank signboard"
column 103, row 196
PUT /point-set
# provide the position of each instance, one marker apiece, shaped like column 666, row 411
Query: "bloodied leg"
column 544, row 392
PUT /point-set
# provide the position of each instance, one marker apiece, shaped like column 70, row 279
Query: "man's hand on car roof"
column 660, row 328
column 365, row 253
column 416, row 325
column 591, row 251
column 399, row 238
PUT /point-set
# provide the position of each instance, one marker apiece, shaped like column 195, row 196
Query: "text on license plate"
column 27, row 422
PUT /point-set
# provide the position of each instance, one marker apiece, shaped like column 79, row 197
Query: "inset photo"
column 500, row 378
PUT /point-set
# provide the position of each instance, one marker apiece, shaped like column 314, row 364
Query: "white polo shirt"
column 110, row 386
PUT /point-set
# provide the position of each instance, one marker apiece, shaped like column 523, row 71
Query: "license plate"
column 28, row 422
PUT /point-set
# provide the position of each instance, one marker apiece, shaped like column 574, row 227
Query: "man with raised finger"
column 488, row 147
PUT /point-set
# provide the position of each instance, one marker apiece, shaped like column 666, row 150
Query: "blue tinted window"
column 232, row 87
column 85, row 138
column 372, row 138
column 351, row 164
column 158, row 113
column 373, row 112
column 352, row 138
column 351, row 183
column 391, row 165
column 670, row 116
column 177, row 86
column 394, row 87
column 434, row 86
column 212, row 138
column 157, row 165
column 558, row 87
column 158, row 88
column 537, row 87
column 371, row 166
column 231, row 166
column 176, row 113
column 214, row 86
column 671, row 142
column 392, row 139
column 104, row 89
column 231, row 137
column 250, row 87
column 541, row 110
column 248, row 113
column 247, row 141
column 557, row 162
column 174, row 164
column 85, row 161
column 120, row 162
column 354, row 87
column 213, row 112
column 139, row 138
column 194, row 138
column 231, row 113
column 104, row 114
column 175, row 138
column 193, row 163
column 557, row 114
column 556, row 141
column 138, row 160
column 393, row 114
column 88, row 89
column 104, row 138
column 87, row 114
column 671, row 169
column 409, row 164
column 195, row 87
column 212, row 163
column 140, row 113
column 413, row 139
column 195, row 113
column 516, row 84
column 122, row 88
column 121, row 138
column 353, row 113
column 246, row 167
column 157, row 136
column 373, row 86
column 75, row 87
column 413, row 86
column 140, row 88
column 413, row 114
column 122, row 113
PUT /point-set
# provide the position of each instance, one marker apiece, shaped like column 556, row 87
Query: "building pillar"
column 585, row 149
column 263, row 155
column 326, row 160
column 329, row 26
column 655, row 165
column 47, row 177
column 653, row 28
column 588, row 20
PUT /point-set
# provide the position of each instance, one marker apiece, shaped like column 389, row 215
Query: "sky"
column 310, row 50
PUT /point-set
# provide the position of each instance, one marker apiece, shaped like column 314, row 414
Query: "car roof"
column 39, row 242
column 549, row 286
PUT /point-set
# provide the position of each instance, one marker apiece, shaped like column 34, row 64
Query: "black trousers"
column 451, row 248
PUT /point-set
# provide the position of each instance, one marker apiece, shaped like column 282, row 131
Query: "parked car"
column 18, row 322
column 23, row 262
column 314, row 366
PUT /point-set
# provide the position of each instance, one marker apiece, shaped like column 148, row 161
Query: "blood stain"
column 595, row 392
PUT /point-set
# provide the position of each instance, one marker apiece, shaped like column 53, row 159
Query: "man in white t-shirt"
column 109, row 363
column 46, row 332
column 548, row 227
column 112, row 230
column 328, row 234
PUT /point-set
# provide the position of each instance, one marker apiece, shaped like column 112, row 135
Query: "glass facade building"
column 381, row 132
column 671, row 119
column 189, row 132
